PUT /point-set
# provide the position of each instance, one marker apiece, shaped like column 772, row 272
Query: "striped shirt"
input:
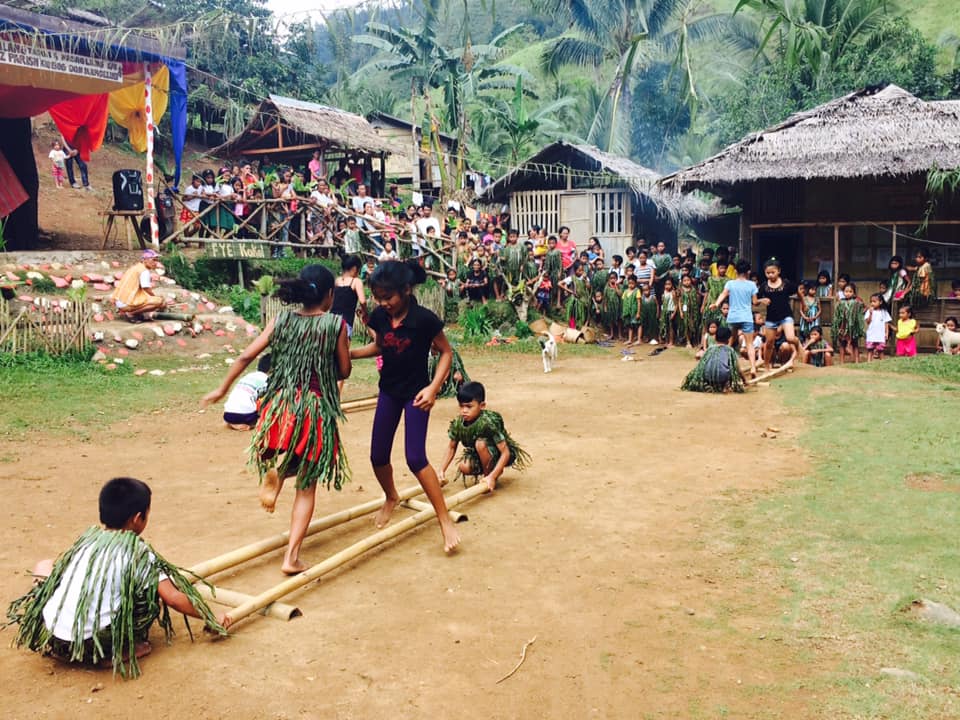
column 644, row 274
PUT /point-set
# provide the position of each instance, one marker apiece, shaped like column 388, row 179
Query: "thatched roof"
column 304, row 123
column 590, row 167
column 870, row 133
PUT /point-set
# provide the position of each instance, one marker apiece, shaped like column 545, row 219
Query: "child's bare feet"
column 451, row 538
column 269, row 490
column 385, row 512
column 140, row 650
column 293, row 568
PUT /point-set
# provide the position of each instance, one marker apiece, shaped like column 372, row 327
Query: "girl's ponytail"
column 394, row 276
column 311, row 288
column 417, row 272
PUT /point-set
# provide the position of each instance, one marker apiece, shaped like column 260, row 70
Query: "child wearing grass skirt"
column 298, row 434
column 455, row 378
column 488, row 448
column 849, row 327
column 718, row 370
column 649, row 328
column 96, row 603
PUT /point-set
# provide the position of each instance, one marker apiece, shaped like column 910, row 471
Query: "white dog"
column 549, row 352
column 949, row 339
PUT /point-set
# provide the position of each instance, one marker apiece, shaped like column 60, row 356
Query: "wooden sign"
column 237, row 249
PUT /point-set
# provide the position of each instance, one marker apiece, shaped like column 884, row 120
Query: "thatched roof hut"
column 869, row 133
column 567, row 166
column 282, row 126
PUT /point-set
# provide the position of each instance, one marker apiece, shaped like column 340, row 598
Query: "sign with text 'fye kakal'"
column 237, row 250
column 33, row 57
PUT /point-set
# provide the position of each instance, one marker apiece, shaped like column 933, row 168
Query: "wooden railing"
column 54, row 326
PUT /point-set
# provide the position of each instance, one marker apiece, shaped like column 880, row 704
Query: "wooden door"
column 576, row 212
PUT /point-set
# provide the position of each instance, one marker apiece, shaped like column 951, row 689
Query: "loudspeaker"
column 127, row 190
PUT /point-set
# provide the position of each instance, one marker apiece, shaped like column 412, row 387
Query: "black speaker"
column 127, row 190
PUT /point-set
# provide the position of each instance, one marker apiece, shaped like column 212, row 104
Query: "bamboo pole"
column 346, row 555
column 419, row 505
column 786, row 367
column 361, row 404
column 262, row 547
column 231, row 599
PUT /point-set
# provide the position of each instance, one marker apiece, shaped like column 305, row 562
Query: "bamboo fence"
column 56, row 327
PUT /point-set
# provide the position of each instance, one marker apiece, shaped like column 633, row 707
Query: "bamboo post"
column 230, row 598
column 362, row 404
column 419, row 505
column 347, row 554
column 149, row 188
column 262, row 547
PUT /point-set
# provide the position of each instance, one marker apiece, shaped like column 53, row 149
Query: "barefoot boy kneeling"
column 95, row 604
column 487, row 446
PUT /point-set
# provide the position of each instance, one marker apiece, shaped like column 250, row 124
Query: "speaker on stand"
column 127, row 190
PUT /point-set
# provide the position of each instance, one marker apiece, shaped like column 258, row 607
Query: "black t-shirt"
column 477, row 285
column 779, row 307
column 345, row 303
column 405, row 349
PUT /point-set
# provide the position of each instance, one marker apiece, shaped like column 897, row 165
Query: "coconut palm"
column 629, row 35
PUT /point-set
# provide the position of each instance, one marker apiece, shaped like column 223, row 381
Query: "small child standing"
column 97, row 601
column 649, row 310
column 709, row 338
column 241, row 408
column 59, row 159
column 670, row 314
column 809, row 308
column 630, row 310
column 690, row 303
column 719, row 368
column 878, row 321
column 907, row 329
column 488, row 448
column 848, row 323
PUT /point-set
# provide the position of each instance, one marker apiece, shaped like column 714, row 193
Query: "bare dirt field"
column 606, row 550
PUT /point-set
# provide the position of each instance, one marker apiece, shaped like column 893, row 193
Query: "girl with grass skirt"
column 297, row 434
column 553, row 268
column 455, row 378
column 718, row 370
column 612, row 306
column 630, row 309
column 923, row 284
column 690, row 302
column 577, row 288
column 649, row 329
column 849, row 327
column 670, row 314
column 96, row 603
column 715, row 286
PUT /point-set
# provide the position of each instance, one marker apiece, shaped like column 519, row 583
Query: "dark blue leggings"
column 385, row 422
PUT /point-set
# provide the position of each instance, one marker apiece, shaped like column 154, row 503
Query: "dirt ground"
column 604, row 551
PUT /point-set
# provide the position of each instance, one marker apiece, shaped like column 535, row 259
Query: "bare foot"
column 269, row 490
column 293, row 568
column 383, row 516
column 140, row 650
column 238, row 426
column 451, row 538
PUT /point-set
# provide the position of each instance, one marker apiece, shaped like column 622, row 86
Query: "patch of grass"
column 853, row 540
column 939, row 366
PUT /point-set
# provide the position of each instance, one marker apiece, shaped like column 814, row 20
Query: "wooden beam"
column 288, row 149
column 848, row 223
column 836, row 251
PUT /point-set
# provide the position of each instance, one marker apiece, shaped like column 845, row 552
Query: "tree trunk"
column 16, row 143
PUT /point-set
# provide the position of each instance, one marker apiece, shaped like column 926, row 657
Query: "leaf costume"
column 716, row 371
column 629, row 306
column 715, row 286
column 450, row 385
column 489, row 428
column 578, row 304
column 612, row 307
column 649, row 325
column 299, row 416
column 119, row 564
column 514, row 257
column 553, row 269
column 668, row 306
column 923, row 289
column 848, row 322
column 818, row 359
column 690, row 322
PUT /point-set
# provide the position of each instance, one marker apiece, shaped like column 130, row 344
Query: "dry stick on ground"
column 523, row 656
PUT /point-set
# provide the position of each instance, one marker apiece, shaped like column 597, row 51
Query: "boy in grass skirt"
column 95, row 604
column 487, row 446
column 649, row 312
column 718, row 370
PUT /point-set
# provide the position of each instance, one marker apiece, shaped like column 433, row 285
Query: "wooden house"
column 412, row 166
column 842, row 187
column 593, row 193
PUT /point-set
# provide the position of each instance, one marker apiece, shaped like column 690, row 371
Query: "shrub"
column 501, row 312
column 476, row 323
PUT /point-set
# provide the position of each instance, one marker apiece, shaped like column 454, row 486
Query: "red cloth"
column 19, row 102
column 83, row 122
column 12, row 194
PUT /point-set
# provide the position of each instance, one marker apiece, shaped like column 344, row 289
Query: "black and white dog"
column 549, row 352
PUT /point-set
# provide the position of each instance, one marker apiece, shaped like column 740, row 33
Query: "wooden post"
column 346, row 555
column 149, row 187
column 836, row 251
column 262, row 547
column 893, row 250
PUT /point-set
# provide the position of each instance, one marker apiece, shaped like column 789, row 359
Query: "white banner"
column 38, row 58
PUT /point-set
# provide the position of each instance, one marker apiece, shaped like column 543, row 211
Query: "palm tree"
column 522, row 128
column 629, row 34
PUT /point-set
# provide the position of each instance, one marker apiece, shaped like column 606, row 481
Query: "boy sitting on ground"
column 241, row 410
column 487, row 446
column 718, row 369
column 96, row 603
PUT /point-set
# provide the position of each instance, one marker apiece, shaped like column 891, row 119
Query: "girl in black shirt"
column 775, row 292
column 403, row 334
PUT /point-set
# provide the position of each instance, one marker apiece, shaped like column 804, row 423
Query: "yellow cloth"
column 128, row 290
column 906, row 328
column 731, row 271
column 128, row 107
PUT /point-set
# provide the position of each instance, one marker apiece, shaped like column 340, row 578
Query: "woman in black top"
column 775, row 292
column 348, row 293
column 477, row 283
column 403, row 334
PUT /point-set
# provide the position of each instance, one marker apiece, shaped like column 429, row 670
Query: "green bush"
column 522, row 330
column 245, row 303
column 210, row 274
column 44, row 285
column 501, row 312
column 476, row 323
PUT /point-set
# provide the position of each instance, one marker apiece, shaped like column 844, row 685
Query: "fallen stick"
column 346, row 555
column 523, row 656
column 418, row 505
column 262, row 547
column 230, row 598
column 184, row 317
column 771, row 374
